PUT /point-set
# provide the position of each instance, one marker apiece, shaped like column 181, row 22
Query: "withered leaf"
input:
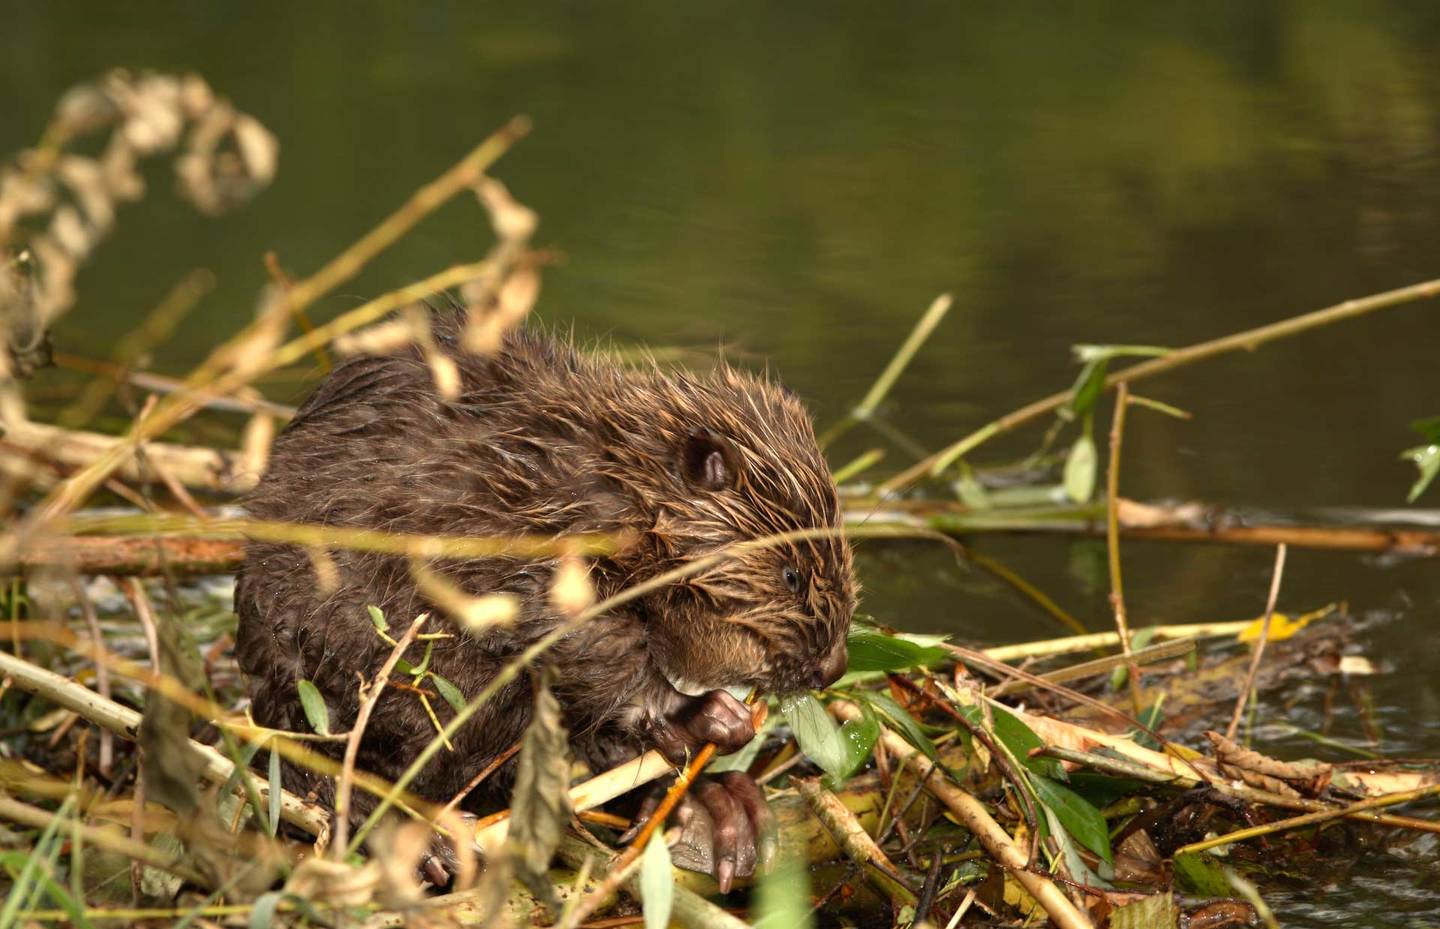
column 540, row 805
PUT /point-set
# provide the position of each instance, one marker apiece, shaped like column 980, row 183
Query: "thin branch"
column 1248, row 340
column 878, row 391
column 1112, row 540
column 369, row 696
column 1275, row 577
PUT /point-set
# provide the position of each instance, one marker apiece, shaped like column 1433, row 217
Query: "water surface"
column 797, row 181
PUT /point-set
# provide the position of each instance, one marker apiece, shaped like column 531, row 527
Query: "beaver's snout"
column 832, row 666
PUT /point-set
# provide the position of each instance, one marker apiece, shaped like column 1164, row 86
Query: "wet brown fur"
column 543, row 440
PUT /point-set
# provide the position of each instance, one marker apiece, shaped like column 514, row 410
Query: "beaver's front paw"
column 715, row 716
column 726, row 826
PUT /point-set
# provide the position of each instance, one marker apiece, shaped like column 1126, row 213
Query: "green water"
column 797, row 181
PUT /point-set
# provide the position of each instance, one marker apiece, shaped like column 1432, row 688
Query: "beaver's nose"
column 833, row 665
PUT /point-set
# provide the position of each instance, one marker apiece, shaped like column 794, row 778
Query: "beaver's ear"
column 708, row 461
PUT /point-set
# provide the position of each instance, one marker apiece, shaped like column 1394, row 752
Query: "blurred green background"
column 796, row 182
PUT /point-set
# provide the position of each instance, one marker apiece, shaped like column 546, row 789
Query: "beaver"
column 546, row 440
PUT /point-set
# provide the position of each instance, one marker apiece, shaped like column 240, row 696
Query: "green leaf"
column 1199, row 873
column 273, row 826
column 1088, row 353
column 378, row 618
column 424, row 661
column 316, row 712
column 262, row 913
column 1427, row 459
column 858, row 736
column 449, row 691
column 815, row 732
column 1088, row 387
column 782, row 901
column 1428, row 428
column 970, row 491
column 1020, row 740
column 901, row 721
column 873, row 651
column 1080, row 467
column 1079, row 818
column 657, row 884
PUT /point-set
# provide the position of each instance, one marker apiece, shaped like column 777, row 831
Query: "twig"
column 977, row 819
column 491, row 830
column 855, row 842
column 125, row 723
column 102, row 671
column 1189, row 522
column 1112, row 540
column 369, row 696
column 138, row 852
column 479, row 779
column 1275, row 577
column 1281, row 825
column 1248, row 340
column 866, row 408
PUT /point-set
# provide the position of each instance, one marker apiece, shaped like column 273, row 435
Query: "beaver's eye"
column 792, row 579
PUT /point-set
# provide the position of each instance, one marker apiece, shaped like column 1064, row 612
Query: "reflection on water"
column 798, row 181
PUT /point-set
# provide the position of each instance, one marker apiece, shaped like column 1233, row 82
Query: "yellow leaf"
column 1282, row 626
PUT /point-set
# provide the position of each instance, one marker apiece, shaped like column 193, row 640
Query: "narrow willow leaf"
column 424, row 661
column 782, row 900
column 449, row 691
column 1020, row 740
column 970, row 491
column 262, row 912
column 1088, row 387
column 1088, row 353
column 902, row 721
column 1428, row 428
column 1427, row 459
column 657, row 884
column 273, row 826
column 1079, row 818
column 873, row 651
column 1199, row 873
column 815, row 732
column 858, row 736
column 316, row 712
column 1080, row 468
column 378, row 618
column 1160, row 407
